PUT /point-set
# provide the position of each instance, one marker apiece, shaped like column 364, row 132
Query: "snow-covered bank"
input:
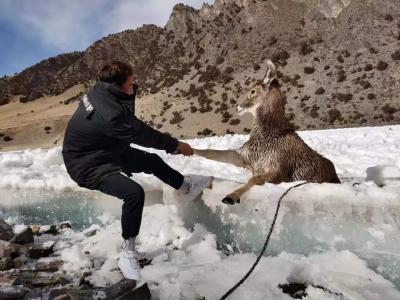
column 344, row 238
column 352, row 151
column 188, row 265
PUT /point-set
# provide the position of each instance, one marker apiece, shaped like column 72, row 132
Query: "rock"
column 120, row 288
column 19, row 262
column 13, row 293
column 42, row 250
column 52, row 229
column 76, row 294
column 48, row 266
column 25, row 237
column 35, row 229
column 39, row 279
column 6, row 263
column 36, row 295
column 140, row 293
column 8, row 249
column 6, row 231
column 64, row 225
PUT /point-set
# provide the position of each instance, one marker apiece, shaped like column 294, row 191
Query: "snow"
column 188, row 264
column 342, row 237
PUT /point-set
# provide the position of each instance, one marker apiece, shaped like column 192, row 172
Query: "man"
column 98, row 156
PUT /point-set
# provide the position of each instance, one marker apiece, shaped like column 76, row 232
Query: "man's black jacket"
column 101, row 129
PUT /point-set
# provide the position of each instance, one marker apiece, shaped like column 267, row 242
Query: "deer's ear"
column 270, row 75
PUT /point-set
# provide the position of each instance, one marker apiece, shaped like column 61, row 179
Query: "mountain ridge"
column 338, row 61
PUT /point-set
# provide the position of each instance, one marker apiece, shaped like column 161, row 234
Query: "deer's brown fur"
column 274, row 153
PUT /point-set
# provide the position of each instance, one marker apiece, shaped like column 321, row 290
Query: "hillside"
column 339, row 62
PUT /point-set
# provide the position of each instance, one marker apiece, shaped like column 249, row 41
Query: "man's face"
column 127, row 87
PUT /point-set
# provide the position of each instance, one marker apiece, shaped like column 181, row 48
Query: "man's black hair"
column 115, row 72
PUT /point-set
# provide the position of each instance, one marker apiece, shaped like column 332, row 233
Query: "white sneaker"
column 194, row 185
column 129, row 264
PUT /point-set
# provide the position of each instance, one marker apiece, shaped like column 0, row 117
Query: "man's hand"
column 184, row 149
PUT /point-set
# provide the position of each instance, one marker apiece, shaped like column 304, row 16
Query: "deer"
column 274, row 153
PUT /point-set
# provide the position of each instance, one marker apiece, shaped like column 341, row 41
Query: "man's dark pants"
column 120, row 186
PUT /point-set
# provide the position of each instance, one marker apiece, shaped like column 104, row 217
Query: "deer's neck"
column 271, row 124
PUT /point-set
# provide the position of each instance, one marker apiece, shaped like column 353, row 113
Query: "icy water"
column 369, row 232
column 46, row 207
column 311, row 220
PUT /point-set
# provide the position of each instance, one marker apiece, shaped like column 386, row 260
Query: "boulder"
column 140, row 293
column 20, row 261
column 35, row 229
column 64, row 225
column 40, row 280
column 8, row 249
column 74, row 294
column 41, row 250
column 6, row 263
column 48, row 266
column 25, row 237
column 13, row 292
column 120, row 288
column 6, row 231
column 49, row 229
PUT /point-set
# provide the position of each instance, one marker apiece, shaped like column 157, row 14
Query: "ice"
column 188, row 264
column 364, row 219
column 342, row 237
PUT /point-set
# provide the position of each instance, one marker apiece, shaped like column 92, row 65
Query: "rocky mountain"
column 338, row 61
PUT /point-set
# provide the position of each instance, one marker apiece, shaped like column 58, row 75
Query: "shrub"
column 334, row 115
column 305, row 48
column 309, row 70
column 205, row 132
column 368, row 67
column 4, row 101
column 382, row 66
column 177, row 118
column 396, row 55
column 387, row 109
column 234, row 122
column 341, row 76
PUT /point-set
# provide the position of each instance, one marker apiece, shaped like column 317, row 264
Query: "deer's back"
column 288, row 154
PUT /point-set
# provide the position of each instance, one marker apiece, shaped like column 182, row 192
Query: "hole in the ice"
column 298, row 290
column 295, row 290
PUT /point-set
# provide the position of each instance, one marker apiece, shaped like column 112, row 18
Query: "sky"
column 33, row 30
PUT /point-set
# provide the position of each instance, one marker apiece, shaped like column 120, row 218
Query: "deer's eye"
column 253, row 92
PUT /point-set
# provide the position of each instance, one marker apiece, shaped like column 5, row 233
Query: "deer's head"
column 257, row 96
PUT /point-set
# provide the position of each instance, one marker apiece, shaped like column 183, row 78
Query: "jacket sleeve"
column 132, row 130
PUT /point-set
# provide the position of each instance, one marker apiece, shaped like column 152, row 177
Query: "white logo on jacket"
column 88, row 106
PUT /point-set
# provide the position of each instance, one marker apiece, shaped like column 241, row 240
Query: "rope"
column 240, row 282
